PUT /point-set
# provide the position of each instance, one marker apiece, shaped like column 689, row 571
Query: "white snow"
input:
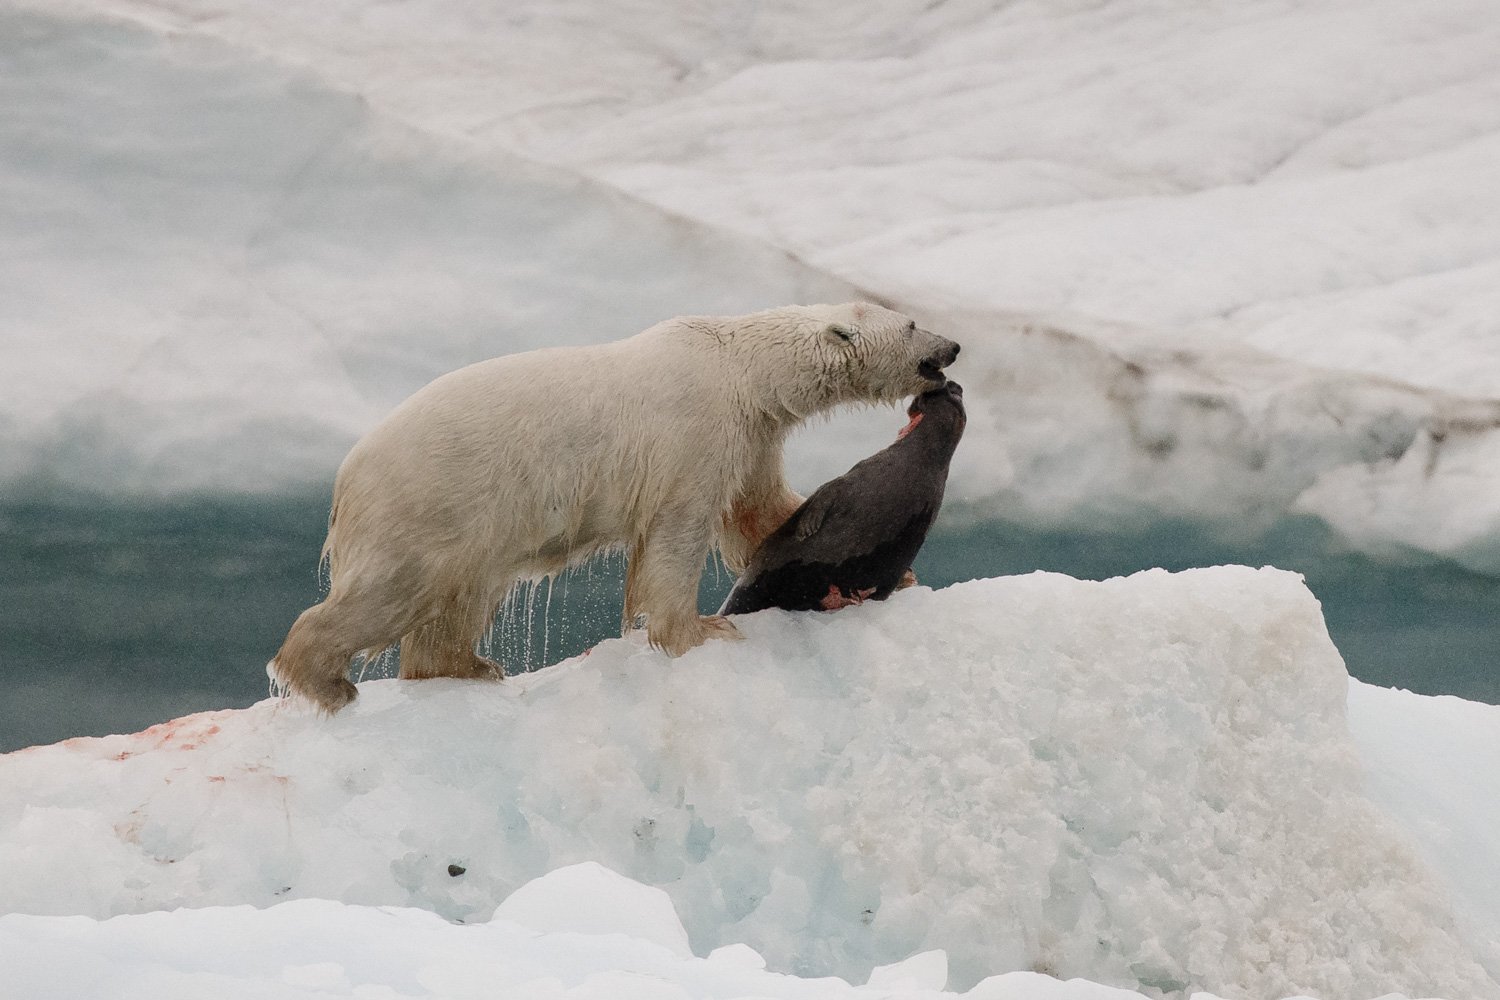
column 926, row 970
column 1148, row 783
column 588, row 898
column 1223, row 261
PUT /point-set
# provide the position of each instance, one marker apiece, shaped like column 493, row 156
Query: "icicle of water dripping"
column 563, row 631
column 487, row 642
column 501, row 628
column 513, row 622
column 530, row 621
column 546, row 620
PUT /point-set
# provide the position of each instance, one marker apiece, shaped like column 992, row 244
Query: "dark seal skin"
column 855, row 538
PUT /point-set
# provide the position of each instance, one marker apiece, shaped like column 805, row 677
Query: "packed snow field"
column 1147, row 782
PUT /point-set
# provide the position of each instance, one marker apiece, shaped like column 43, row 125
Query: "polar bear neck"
column 778, row 372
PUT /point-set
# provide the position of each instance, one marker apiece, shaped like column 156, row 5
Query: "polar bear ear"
column 837, row 333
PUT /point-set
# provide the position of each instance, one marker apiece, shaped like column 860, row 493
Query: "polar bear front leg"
column 763, row 504
column 662, row 583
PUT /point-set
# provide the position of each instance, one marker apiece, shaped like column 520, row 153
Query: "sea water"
column 120, row 615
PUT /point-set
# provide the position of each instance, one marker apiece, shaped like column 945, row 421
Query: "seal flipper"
column 810, row 516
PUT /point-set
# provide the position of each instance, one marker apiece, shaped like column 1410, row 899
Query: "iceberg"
column 1148, row 783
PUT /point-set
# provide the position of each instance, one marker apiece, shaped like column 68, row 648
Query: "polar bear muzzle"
column 931, row 367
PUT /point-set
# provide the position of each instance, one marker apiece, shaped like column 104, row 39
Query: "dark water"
column 116, row 617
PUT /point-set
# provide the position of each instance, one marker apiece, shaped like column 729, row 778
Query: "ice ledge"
column 1147, row 782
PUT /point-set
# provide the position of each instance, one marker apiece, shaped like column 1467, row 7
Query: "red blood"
column 836, row 598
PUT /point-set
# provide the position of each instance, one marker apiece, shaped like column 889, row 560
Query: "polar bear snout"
column 945, row 354
column 931, row 367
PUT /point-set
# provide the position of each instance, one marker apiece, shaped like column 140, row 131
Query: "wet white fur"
column 661, row 444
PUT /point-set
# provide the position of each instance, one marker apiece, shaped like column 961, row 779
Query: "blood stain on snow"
column 187, row 733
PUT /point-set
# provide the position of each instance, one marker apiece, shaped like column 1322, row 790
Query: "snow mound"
column 926, row 970
column 588, row 898
column 1147, row 782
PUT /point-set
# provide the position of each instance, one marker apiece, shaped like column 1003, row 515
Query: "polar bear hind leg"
column 445, row 646
column 314, row 659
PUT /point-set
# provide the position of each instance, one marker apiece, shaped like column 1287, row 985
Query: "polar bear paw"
column 676, row 638
column 719, row 627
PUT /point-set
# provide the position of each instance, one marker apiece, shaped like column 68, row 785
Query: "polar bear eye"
column 840, row 333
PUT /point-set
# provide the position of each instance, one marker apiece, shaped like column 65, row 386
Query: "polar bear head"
column 816, row 357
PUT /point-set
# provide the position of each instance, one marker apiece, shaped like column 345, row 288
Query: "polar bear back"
column 551, row 431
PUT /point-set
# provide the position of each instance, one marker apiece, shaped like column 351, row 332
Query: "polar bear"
column 659, row 445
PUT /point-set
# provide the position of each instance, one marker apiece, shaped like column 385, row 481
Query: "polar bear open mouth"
column 931, row 372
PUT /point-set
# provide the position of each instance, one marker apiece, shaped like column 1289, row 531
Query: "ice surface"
column 1259, row 240
column 1146, row 782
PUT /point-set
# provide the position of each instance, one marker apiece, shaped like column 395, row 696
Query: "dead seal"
column 855, row 538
